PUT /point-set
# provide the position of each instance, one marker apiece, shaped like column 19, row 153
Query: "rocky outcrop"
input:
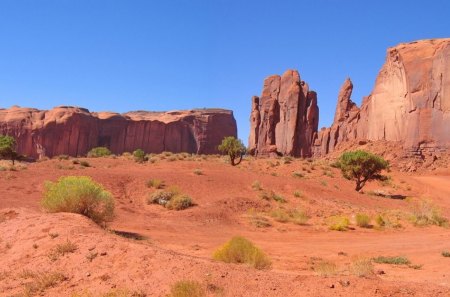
column 74, row 131
column 409, row 104
column 284, row 119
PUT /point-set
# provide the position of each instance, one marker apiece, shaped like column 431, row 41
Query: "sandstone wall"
column 74, row 131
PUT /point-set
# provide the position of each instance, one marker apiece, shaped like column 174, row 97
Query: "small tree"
column 234, row 148
column 8, row 148
column 361, row 166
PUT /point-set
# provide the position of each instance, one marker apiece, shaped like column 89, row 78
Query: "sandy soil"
column 178, row 244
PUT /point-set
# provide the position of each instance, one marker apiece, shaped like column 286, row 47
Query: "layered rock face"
column 285, row 118
column 410, row 102
column 74, row 131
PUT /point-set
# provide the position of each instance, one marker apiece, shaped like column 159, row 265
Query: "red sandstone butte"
column 409, row 104
column 284, row 119
column 74, row 131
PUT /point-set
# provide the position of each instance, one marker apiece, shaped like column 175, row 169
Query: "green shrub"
column 242, row 251
column 139, row 156
column 97, row 152
column 361, row 166
column 338, row 223
column 392, row 260
column 187, row 288
column 79, row 194
column 362, row 220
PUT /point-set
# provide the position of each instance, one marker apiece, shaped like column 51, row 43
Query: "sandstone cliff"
column 285, row 118
column 409, row 104
column 74, row 131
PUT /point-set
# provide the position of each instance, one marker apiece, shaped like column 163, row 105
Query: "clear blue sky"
column 164, row 55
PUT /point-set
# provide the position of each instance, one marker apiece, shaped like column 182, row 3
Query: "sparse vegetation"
column 425, row 213
column 42, row 281
column 297, row 174
column 79, row 194
column 338, row 223
column 234, row 148
column 361, row 267
column 187, row 288
column 242, row 251
column 392, row 260
column 325, row 268
column 155, row 183
column 446, row 254
column 294, row 216
column 98, row 152
column 198, row 172
column 180, row 202
column 256, row 185
column 259, row 221
column 361, row 166
column 363, row 220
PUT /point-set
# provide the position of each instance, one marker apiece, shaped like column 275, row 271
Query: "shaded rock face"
column 74, row 131
column 284, row 119
column 410, row 102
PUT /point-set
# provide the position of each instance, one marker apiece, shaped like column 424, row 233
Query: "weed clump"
column 79, row 194
column 361, row 267
column 187, row 288
column 171, row 199
column 325, row 268
column 363, row 220
column 338, row 223
column 155, row 183
column 294, row 216
column 242, row 251
column 392, row 260
column 425, row 213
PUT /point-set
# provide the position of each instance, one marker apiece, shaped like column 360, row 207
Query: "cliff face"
column 284, row 119
column 74, row 131
column 410, row 102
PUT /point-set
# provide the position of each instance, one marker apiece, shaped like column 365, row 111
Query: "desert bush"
column 155, row 183
column 392, row 260
column 62, row 249
column 187, row 288
column 325, row 268
column 361, row 267
column 446, row 254
column 298, row 194
column 79, row 194
column 259, row 221
column 338, row 223
column 234, row 148
column 362, row 220
column 171, row 199
column 85, row 164
column 139, row 156
column 180, row 202
column 425, row 213
column 361, row 166
column 242, row 251
column 98, row 152
column 387, row 220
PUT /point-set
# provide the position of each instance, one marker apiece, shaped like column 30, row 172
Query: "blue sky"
column 164, row 55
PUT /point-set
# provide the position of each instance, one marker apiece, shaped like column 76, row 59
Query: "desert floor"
column 164, row 246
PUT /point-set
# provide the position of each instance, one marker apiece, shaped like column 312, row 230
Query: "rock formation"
column 409, row 104
column 285, row 118
column 74, row 131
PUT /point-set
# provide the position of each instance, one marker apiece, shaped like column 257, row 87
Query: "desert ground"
column 147, row 248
